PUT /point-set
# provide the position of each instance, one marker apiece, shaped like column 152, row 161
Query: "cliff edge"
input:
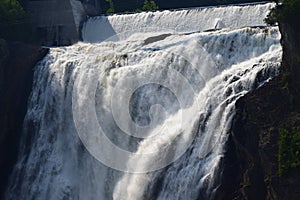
column 262, row 158
column 16, row 77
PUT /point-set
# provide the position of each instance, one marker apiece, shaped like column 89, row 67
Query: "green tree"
column 111, row 8
column 14, row 23
column 149, row 5
column 11, row 11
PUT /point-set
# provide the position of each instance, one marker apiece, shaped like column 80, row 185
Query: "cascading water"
column 97, row 29
column 146, row 117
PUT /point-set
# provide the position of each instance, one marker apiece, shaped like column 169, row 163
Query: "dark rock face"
column 291, row 54
column 250, row 165
column 16, row 73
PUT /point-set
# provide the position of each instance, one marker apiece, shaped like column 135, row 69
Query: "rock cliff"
column 251, row 164
column 16, row 73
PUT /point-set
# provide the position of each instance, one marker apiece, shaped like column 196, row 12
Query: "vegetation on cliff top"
column 120, row 6
column 111, row 8
column 11, row 11
column 147, row 6
column 14, row 22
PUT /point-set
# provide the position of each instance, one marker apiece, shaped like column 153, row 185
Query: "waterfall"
column 97, row 29
column 144, row 117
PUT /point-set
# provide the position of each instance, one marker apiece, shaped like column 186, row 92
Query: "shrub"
column 11, row 11
column 288, row 149
column 111, row 8
column 14, row 23
column 149, row 5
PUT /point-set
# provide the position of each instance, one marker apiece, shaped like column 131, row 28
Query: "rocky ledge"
column 255, row 164
column 16, row 76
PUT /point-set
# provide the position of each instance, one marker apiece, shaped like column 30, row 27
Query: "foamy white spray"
column 53, row 164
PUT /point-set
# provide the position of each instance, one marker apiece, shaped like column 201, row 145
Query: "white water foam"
column 220, row 66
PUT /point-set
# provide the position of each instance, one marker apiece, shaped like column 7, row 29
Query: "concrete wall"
column 53, row 22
